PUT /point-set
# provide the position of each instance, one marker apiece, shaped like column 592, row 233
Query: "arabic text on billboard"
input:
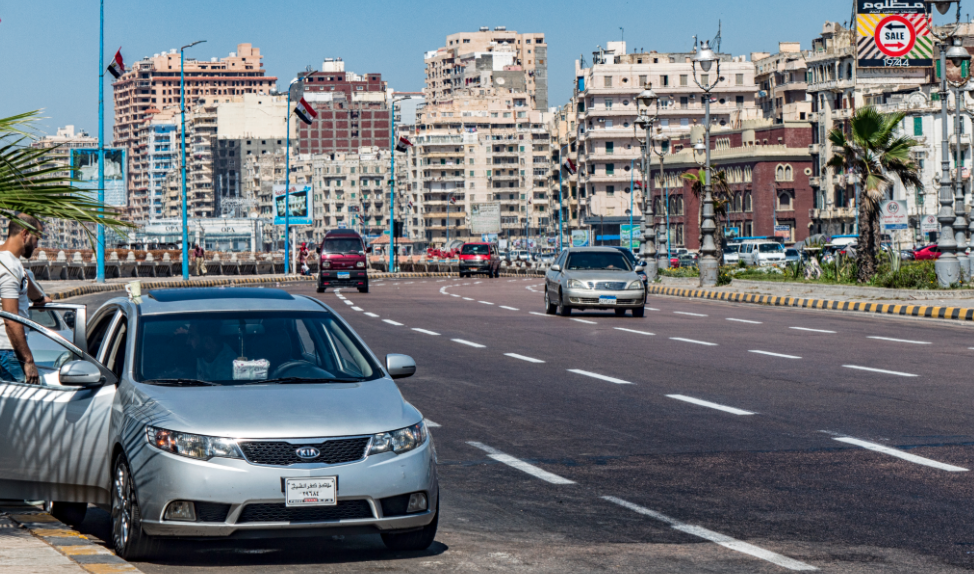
column 893, row 34
column 485, row 218
column 299, row 203
column 84, row 164
column 893, row 215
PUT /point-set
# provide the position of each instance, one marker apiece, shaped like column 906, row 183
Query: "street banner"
column 299, row 203
column 84, row 165
column 893, row 215
column 485, row 218
column 580, row 237
column 629, row 236
column 893, row 34
column 929, row 224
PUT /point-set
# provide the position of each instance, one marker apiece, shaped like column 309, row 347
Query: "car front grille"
column 344, row 510
column 281, row 453
column 610, row 286
column 595, row 301
column 212, row 511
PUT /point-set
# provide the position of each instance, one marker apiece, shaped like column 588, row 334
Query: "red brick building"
column 767, row 172
column 353, row 111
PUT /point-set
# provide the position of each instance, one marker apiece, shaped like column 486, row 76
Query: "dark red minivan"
column 343, row 261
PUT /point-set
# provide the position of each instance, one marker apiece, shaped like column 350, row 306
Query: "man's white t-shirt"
column 13, row 285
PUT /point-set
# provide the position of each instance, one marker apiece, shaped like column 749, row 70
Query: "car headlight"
column 576, row 284
column 360, row 264
column 399, row 441
column 637, row 284
column 326, row 264
column 192, row 445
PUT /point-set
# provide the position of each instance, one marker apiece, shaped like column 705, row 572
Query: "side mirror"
column 368, row 249
column 556, row 267
column 640, row 268
column 400, row 366
column 80, row 374
column 69, row 319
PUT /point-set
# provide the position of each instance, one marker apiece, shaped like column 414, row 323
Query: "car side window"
column 115, row 351
column 96, row 333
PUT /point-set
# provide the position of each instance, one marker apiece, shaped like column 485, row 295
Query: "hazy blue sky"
column 49, row 48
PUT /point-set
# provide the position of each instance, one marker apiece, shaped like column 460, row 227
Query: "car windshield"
column 344, row 245
column 791, row 252
column 474, row 249
column 629, row 255
column 769, row 248
column 598, row 260
column 733, row 248
column 247, row 347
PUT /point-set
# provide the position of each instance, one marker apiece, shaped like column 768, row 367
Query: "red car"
column 931, row 251
column 477, row 257
column 343, row 261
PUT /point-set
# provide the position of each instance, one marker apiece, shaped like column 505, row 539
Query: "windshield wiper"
column 180, row 383
column 302, row 381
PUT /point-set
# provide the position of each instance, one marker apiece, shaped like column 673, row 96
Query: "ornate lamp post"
column 647, row 254
column 959, row 56
column 708, row 265
column 664, row 238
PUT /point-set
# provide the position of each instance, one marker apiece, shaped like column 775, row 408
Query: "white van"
column 762, row 252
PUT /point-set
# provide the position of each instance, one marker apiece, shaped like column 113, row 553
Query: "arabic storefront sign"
column 893, row 34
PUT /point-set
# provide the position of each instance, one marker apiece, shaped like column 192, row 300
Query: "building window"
column 786, row 200
column 739, row 79
column 643, row 79
column 607, row 81
column 664, row 80
column 918, row 126
column 678, row 235
column 610, row 190
column 747, row 204
column 683, row 79
column 684, row 102
column 740, row 102
column 610, row 169
column 609, row 147
column 608, row 103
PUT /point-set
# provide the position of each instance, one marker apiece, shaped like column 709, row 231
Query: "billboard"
column 485, row 218
column 630, row 236
column 580, row 238
column 84, row 166
column 299, row 201
column 893, row 34
column 893, row 215
column 929, row 224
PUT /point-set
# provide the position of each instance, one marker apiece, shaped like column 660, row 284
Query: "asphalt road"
column 705, row 437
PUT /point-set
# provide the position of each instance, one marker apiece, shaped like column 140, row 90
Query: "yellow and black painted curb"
column 931, row 312
column 79, row 548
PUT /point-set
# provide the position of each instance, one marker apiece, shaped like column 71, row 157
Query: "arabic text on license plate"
column 344, row 275
column 607, row 300
column 313, row 491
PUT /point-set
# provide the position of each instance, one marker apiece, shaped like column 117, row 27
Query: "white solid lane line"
column 392, row 322
column 585, row 321
column 900, row 341
column 693, row 341
column 468, row 298
column 634, row 331
column 882, row 371
column 523, row 358
column 600, row 377
column 716, row 537
column 431, row 424
column 372, row 315
column 357, row 309
column 812, row 330
column 900, row 454
column 509, row 308
column 690, row 314
column 745, row 321
column 710, row 405
column 520, row 464
column 426, row 332
column 775, row 355
column 462, row 342
column 485, row 302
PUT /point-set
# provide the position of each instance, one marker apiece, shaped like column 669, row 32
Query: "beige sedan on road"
column 593, row 278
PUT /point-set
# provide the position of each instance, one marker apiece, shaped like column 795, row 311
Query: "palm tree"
column 722, row 198
column 874, row 153
column 30, row 182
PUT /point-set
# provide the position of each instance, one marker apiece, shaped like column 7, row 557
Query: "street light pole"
column 644, row 102
column 960, row 215
column 101, row 140
column 561, row 166
column 708, row 264
column 182, row 109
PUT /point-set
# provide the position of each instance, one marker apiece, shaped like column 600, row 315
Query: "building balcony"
column 815, row 149
column 834, row 213
column 444, row 154
column 815, row 181
column 842, row 114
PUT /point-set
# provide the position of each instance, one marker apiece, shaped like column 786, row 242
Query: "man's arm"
column 35, row 293
column 18, row 340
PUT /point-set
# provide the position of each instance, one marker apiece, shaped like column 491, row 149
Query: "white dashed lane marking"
column 693, row 341
column 485, row 302
column 880, row 371
column 775, row 355
column 469, row 343
column 523, row 358
column 468, row 298
column 634, row 331
column 600, row 377
column 520, row 464
column 710, row 405
column 392, row 322
column 812, row 330
column 689, row 314
column 900, row 454
column 357, row 309
column 372, row 315
column 509, row 308
column 432, row 425
column 900, row 341
column 745, row 321
column 424, row 331
column 585, row 321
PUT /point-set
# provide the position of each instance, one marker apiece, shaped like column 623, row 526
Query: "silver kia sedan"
column 593, row 278
column 237, row 412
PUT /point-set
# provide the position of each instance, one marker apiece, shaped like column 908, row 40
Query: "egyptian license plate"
column 316, row 491
column 344, row 275
column 604, row 300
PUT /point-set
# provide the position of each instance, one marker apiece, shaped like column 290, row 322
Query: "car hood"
column 602, row 275
column 276, row 411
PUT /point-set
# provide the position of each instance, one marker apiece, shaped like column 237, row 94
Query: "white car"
column 732, row 254
column 762, row 253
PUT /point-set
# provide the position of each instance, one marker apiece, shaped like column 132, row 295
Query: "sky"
column 49, row 48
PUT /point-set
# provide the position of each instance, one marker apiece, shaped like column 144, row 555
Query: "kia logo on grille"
column 307, row 452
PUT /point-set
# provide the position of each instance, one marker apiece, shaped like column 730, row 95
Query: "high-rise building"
column 154, row 82
column 353, row 110
column 64, row 234
column 781, row 80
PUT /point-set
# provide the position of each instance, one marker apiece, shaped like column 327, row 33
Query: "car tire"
column 563, row 310
column 549, row 307
column 320, row 289
column 70, row 513
column 463, row 275
column 620, row 312
column 639, row 312
column 128, row 539
column 412, row 541
column 364, row 289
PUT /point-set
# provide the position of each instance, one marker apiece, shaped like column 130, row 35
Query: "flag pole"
column 100, row 247
column 287, row 188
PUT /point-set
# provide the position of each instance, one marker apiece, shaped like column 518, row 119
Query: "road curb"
column 923, row 311
column 72, row 544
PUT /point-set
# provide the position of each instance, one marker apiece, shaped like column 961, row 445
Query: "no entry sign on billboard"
column 893, row 34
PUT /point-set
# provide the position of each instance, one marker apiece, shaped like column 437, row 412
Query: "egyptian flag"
column 305, row 112
column 403, row 144
column 117, row 67
column 570, row 166
column 453, row 200
column 410, row 204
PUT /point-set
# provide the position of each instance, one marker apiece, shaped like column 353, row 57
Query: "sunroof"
column 196, row 294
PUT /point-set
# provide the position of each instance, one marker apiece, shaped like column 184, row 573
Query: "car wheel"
column 639, row 312
column 463, row 275
column 620, row 312
column 364, row 289
column 563, row 310
column 70, row 513
column 549, row 307
column 130, row 542
column 320, row 289
column 416, row 540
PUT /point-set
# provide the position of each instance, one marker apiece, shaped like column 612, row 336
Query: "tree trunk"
column 868, row 240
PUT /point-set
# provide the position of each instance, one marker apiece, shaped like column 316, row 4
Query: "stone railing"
column 82, row 265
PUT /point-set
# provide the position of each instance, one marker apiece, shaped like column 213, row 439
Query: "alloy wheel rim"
column 121, row 507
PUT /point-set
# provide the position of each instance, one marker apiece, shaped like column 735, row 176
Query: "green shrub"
column 680, row 272
column 913, row 275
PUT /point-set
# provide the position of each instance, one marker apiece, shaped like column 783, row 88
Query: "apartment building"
column 563, row 184
column 154, row 82
column 607, row 150
column 62, row 234
column 781, row 80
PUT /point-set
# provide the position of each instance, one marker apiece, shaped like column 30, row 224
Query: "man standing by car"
column 16, row 292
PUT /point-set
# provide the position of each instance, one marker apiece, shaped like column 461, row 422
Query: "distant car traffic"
column 927, row 253
column 343, row 261
column 732, row 254
column 792, row 255
column 593, row 278
column 479, row 258
column 762, row 252
column 635, row 264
